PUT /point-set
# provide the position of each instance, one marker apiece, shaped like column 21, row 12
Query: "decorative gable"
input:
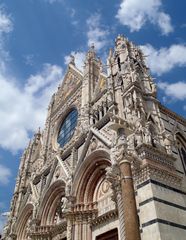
column 71, row 82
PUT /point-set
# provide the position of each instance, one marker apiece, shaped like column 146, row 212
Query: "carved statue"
column 28, row 225
column 33, row 175
column 64, row 204
column 119, row 81
column 68, row 186
column 153, row 88
column 58, row 215
column 93, row 144
column 147, row 134
column 13, row 224
column 121, row 138
column 72, row 59
column 108, row 172
column 156, row 142
column 6, row 230
column 112, row 172
column 130, row 142
column 36, row 205
column 121, row 153
column 168, row 142
column 138, row 137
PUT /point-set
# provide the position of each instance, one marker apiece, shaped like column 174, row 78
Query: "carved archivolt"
column 22, row 226
column 50, row 201
column 91, row 170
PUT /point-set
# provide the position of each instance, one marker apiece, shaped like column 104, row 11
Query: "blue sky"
column 36, row 40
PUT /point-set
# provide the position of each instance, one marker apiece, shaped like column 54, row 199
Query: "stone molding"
column 151, row 171
column 148, row 152
column 172, row 114
column 113, row 214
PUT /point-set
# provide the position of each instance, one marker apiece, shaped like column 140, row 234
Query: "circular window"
column 67, row 128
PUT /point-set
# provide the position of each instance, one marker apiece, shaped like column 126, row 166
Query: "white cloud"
column 5, row 22
column 96, row 34
column 6, row 26
column 175, row 91
column 79, row 59
column 53, row 1
column 163, row 60
column 23, row 110
column 135, row 14
column 5, row 174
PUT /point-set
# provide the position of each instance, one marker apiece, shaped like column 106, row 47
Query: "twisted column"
column 132, row 231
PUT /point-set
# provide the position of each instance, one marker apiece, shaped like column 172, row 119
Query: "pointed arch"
column 90, row 173
column 23, row 221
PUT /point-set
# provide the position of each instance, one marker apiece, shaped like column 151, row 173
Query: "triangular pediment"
column 71, row 81
column 101, row 85
column 94, row 143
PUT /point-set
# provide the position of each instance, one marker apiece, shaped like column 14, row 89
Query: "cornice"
column 149, row 170
column 172, row 114
column 113, row 214
column 157, row 155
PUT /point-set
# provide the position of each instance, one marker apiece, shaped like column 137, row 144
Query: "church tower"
column 110, row 162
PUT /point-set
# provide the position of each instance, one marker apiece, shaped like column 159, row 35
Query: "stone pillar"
column 132, row 231
column 69, row 229
column 121, row 215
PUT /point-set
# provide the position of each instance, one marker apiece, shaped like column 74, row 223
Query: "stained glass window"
column 67, row 128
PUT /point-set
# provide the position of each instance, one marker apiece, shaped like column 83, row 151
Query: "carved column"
column 121, row 215
column 69, row 228
column 129, row 204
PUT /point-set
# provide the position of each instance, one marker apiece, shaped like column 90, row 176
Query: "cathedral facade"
column 110, row 163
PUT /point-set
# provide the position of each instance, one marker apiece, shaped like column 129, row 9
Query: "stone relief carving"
column 64, row 204
column 93, row 144
column 68, row 186
column 168, row 143
column 59, row 214
column 35, row 209
column 147, row 134
column 130, row 78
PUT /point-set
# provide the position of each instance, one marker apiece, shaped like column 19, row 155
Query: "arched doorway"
column 93, row 195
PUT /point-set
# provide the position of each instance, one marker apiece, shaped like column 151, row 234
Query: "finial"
column 72, row 60
column 119, row 38
column 92, row 47
column 39, row 130
column 110, row 53
column 91, row 53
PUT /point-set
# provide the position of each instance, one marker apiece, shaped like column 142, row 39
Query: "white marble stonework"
column 109, row 157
